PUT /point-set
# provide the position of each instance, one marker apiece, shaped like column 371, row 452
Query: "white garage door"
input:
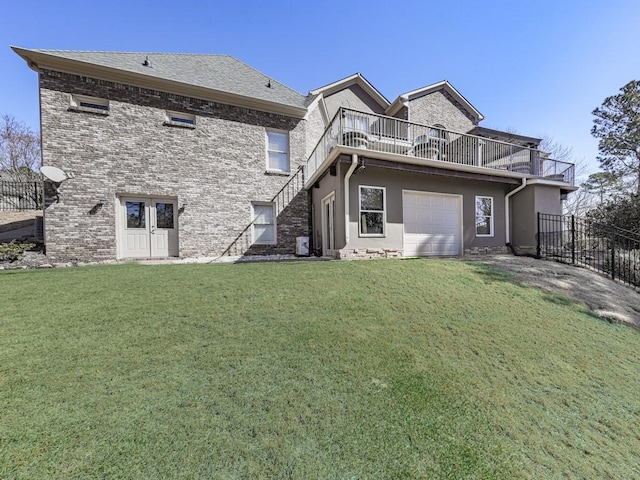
column 432, row 224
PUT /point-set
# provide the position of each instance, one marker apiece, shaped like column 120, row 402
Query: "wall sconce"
column 98, row 206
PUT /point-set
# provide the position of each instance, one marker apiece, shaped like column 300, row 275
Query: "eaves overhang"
column 38, row 61
column 395, row 157
column 567, row 187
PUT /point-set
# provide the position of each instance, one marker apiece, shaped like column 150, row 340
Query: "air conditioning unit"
column 302, row 246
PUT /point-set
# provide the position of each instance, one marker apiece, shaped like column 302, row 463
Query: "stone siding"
column 215, row 170
column 315, row 128
column 491, row 250
column 365, row 253
column 441, row 108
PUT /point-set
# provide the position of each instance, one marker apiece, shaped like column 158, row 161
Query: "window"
column 82, row 103
column 355, row 122
column 277, row 151
column 136, row 215
column 438, row 131
column 264, row 223
column 484, row 216
column 179, row 119
column 164, row 215
column 372, row 211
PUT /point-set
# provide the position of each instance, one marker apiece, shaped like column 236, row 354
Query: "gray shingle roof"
column 217, row 72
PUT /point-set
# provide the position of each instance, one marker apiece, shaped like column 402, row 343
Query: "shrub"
column 10, row 252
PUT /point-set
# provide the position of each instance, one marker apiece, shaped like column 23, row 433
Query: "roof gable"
column 357, row 79
column 399, row 102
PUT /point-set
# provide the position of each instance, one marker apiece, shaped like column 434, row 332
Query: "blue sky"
column 535, row 67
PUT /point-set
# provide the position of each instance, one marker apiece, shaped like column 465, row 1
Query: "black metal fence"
column 18, row 196
column 610, row 250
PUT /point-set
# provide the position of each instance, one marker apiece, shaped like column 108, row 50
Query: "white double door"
column 148, row 227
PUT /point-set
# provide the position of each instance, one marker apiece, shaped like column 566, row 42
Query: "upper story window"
column 83, row 103
column 355, row 122
column 277, row 151
column 372, row 211
column 438, row 131
column 484, row 216
column 179, row 119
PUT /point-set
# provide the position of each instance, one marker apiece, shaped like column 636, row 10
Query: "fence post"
column 573, row 239
column 538, row 249
column 613, row 254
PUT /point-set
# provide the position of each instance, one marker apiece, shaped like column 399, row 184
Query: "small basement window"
column 180, row 119
column 83, row 103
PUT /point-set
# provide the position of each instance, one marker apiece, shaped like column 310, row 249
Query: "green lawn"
column 319, row 370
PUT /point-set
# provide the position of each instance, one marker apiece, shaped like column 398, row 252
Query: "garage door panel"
column 431, row 224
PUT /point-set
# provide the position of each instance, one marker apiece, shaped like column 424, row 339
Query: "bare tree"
column 578, row 203
column 19, row 150
column 556, row 150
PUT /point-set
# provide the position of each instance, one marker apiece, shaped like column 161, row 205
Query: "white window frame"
column 179, row 119
column 361, row 211
column 288, row 151
column 84, row 103
column 490, row 217
column 253, row 223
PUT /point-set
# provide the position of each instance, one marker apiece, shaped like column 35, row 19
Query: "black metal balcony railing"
column 392, row 135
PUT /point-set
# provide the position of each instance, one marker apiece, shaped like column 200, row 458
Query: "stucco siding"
column 525, row 206
column 396, row 182
column 355, row 98
column 216, row 169
column 327, row 185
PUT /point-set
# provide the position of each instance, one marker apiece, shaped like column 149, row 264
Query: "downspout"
column 507, row 215
column 352, row 167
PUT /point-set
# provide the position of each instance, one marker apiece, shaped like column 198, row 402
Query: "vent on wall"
column 180, row 119
column 83, row 103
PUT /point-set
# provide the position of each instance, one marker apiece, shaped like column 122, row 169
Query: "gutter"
column 507, row 216
column 352, row 167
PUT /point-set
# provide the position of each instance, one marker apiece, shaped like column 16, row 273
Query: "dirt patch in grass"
column 606, row 298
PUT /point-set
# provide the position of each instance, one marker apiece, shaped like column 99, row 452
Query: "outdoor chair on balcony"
column 355, row 139
column 425, row 147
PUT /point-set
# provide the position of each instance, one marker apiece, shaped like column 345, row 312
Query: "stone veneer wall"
column 363, row 253
column 315, row 128
column 216, row 169
column 441, row 108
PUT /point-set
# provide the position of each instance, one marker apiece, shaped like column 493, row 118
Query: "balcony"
column 430, row 145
